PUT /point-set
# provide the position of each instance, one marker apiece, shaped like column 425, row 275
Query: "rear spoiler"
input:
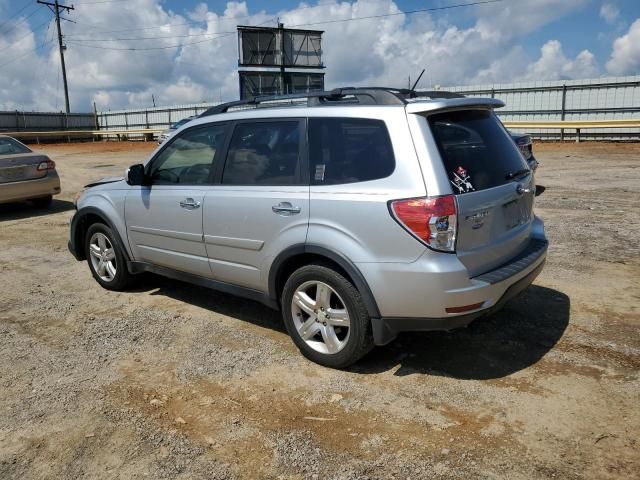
column 420, row 106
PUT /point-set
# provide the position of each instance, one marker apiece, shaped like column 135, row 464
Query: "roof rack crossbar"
column 363, row 95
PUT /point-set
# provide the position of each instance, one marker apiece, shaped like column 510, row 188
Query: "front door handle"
column 285, row 209
column 190, row 204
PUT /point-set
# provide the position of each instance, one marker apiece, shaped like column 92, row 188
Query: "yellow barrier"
column 575, row 125
column 562, row 125
column 84, row 133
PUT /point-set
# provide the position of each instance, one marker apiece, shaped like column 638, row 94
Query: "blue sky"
column 510, row 40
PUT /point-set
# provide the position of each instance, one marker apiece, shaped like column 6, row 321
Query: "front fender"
column 109, row 212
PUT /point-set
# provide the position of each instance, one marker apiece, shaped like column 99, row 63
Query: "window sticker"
column 462, row 180
column 319, row 175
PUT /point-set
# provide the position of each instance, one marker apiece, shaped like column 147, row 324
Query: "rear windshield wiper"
column 517, row 173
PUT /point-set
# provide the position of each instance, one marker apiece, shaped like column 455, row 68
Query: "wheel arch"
column 82, row 220
column 298, row 255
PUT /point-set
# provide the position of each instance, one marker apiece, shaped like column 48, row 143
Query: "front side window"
column 264, row 153
column 188, row 159
column 348, row 150
column 8, row 146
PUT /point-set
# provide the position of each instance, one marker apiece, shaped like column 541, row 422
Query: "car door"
column 164, row 218
column 260, row 205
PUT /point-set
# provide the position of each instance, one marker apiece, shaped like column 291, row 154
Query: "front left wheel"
column 106, row 258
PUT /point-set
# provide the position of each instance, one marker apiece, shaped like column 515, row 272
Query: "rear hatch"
column 18, row 163
column 493, row 185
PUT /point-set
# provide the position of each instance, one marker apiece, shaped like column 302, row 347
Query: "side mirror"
column 135, row 174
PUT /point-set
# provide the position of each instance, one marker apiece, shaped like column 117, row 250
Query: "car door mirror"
column 135, row 175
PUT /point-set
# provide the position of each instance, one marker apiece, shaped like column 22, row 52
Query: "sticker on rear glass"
column 461, row 180
column 319, row 175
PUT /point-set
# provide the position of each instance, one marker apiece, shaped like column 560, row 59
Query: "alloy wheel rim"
column 320, row 317
column 103, row 256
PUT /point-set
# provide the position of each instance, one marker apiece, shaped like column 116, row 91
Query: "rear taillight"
column 432, row 220
column 46, row 165
column 525, row 146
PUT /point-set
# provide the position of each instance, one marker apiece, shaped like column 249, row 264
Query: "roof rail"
column 361, row 95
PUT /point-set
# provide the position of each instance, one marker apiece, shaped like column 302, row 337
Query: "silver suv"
column 359, row 213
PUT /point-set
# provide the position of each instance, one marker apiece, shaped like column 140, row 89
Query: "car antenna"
column 419, row 77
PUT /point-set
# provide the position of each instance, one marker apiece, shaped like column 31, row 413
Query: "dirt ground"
column 175, row 381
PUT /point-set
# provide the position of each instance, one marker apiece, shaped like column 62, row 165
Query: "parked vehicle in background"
column 25, row 174
column 525, row 145
column 173, row 128
column 361, row 213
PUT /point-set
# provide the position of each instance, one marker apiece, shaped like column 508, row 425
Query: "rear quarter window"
column 9, row 146
column 349, row 150
column 476, row 150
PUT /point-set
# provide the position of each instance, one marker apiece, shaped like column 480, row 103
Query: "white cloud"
column 379, row 51
column 625, row 57
column 554, row 65
column 609, row 12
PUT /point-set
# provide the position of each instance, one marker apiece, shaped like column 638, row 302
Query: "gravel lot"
column 175, row 381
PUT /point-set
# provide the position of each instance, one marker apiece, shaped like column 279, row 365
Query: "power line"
column 71, row 38
column 80, row 4
column 31, row 52
column 197, row 23
column 15, row 14
column 351, row 19
column 406, row 12
column 165, row 47
column 15, row 42
column 24, row 19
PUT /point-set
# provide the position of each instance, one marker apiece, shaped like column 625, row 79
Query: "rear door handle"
column 285, row 209
column 190, row 204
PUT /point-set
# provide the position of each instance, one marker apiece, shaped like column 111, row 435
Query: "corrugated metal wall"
column 42, row 121
column 160, row 117
column 593, row 99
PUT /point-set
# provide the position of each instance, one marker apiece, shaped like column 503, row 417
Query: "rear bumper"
column 422, row 296
column 29, row 189
column 386, row 329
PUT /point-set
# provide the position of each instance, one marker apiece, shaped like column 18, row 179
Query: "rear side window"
column 476, row 150
column 9, row 146
column 264, row 153
column 348, row 150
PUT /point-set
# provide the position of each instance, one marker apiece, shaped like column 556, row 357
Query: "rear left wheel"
column 326, row 317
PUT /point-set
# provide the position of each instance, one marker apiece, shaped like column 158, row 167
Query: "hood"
column 102, row 181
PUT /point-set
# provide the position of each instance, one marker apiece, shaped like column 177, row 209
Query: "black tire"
column 122, row 278
column 43, row 202
column 360, row 338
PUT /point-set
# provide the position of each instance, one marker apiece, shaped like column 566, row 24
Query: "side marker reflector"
column 464, row 308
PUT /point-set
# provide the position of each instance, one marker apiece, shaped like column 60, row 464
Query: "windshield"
column 476, row 150
column 9, row 146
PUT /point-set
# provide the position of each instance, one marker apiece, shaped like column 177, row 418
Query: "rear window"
column 9, row 146
column 477, row 151
column 349, row 150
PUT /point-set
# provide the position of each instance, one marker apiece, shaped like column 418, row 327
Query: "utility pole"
column 56, row 10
